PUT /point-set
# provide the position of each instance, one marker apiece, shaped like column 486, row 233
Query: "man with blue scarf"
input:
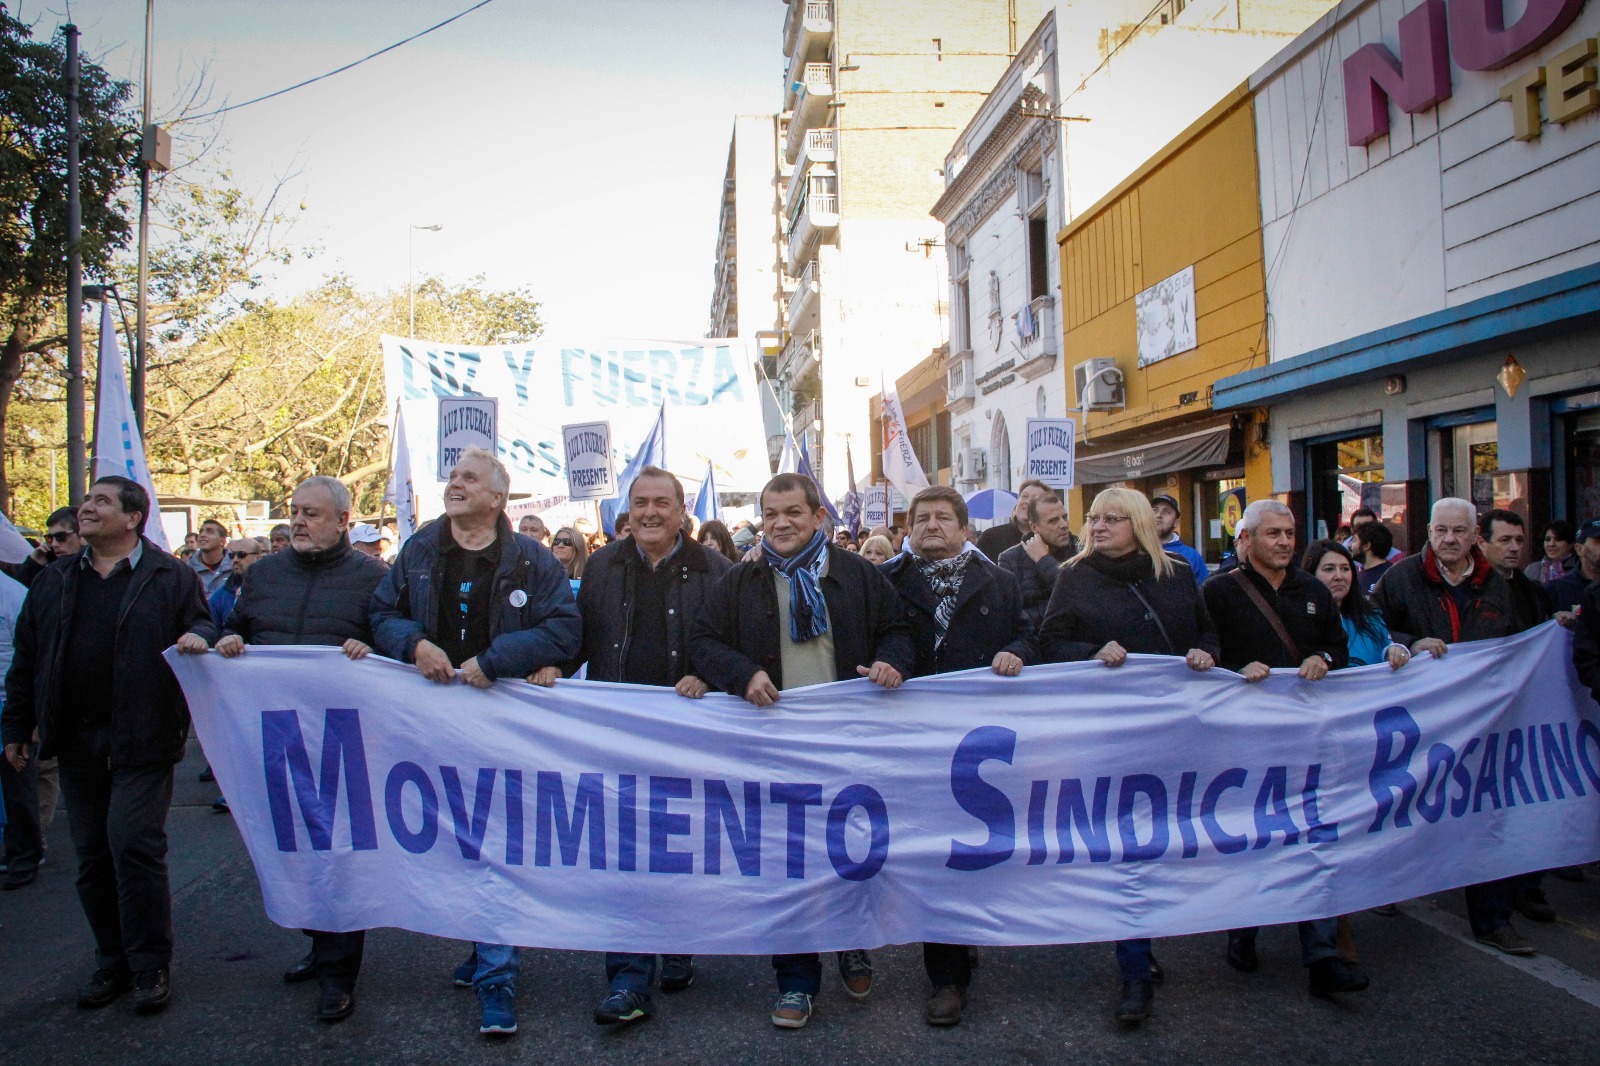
column 804, row 613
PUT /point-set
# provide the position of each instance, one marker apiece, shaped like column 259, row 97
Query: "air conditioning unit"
column 977, row 464
column 1098, row 383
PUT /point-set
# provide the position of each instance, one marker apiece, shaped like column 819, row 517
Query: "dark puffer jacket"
column 987, row 619
column 294, row 597
column 149, row 718
column 1093, row 604
column 605, row 600
column 1035, row 579
column 1417, row 603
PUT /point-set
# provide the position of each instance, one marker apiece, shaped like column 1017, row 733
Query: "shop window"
column 1343, row 475
column 1463, row 459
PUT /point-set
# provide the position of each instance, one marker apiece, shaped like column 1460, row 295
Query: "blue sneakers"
column 623, row 1006
column 792, row 1010
column 464, row 973
column 499, row 1012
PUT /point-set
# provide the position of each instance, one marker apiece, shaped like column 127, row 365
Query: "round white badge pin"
column 518, row 598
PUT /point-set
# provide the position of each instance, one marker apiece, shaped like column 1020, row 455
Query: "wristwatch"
column 1327, row 658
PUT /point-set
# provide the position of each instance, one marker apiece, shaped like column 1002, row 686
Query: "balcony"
column 816, row 147
column 1039, row 350
column 808, row 99
column 800, row 358
column 960, row 390
column 807, row 27
column 803, row 304
column 816, row 215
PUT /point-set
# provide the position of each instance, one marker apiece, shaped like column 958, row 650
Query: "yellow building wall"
column 1195, row 203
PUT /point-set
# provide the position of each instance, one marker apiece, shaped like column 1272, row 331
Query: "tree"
column 33, row 191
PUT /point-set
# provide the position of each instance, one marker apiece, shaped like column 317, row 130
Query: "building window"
column 1038, row 258
column 921, row 438
column 1000, row 455
column 941, row 442
column 960, row 321
column 1347, row 474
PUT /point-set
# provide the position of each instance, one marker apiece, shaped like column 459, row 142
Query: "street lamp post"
column 411, row 293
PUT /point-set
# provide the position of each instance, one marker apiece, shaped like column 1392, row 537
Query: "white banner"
column 1052, row 451
column 1074, row 803
column 709, row 388
column 591, row 474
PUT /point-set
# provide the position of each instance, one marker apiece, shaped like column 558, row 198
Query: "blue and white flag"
column 118, row 448
column 852, row 501
column 789, row 458
column 652, row 452
column 707, row 507
column 805, row 468
column 400, row 490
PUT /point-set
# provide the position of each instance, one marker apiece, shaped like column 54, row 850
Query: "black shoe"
column 1137, row 996
column 304, row 970
column 335, row 1004
column 1157, row 974
column 1570, row 873
column 1242, row 954
column 623, row 1006
column 220, row 805
column 103, row 987
column 20, row 879
column 677, row 973
column 973, row 958
column 152, row 990
column 1329, row 976
column 1531, row 904
column 206, row 776
column 945, row 1005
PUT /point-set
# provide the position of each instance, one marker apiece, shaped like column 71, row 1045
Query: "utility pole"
column 146, row 151
column 77, row 464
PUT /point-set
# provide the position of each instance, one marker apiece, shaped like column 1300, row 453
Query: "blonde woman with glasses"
column 1123, row 595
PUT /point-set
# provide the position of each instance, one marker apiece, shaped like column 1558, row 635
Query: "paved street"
column 1434, row 998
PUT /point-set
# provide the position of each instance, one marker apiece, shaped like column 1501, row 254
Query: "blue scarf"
column 808, row 612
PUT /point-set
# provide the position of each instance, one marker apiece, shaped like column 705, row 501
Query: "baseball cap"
column 365, row 533
column 1590, row 530
column 1168, row 500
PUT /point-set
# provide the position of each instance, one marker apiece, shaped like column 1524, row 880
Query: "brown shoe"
column 946, row 1004
column 855, row 970
column 1509, row 941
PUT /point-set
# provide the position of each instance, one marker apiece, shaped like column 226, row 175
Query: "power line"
column 340, row 70
column 1084, row 84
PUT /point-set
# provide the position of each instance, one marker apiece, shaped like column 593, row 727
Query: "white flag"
column 900, row 464
column 399, row 490
column 118, row 449
column 789, row 458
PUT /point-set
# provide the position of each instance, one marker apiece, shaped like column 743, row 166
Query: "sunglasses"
column 59, row 538
column 563, row 542
column 241, row 555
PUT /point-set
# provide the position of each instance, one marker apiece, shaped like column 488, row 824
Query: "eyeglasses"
column 60, row 538
column 241, row 555
column 562, row 542
column 1107, row 519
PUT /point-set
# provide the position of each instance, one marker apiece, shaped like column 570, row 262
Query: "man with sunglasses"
column 59, row 541
column 241, row 554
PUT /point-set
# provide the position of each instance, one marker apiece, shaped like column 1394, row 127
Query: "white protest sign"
column 1052, row 450
column 874, row 506
column 591, row 475
column 466, row 422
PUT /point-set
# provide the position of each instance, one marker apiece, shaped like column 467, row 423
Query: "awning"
column 1201, row 447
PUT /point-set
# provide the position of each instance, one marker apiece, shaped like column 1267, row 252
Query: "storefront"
column 1435, row 295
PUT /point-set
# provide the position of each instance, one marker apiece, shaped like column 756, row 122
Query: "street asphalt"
column 1436, row 997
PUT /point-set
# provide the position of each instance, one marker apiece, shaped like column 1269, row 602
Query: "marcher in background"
column 1586, row 647
column 531, row 525
column 210, row 560
column 1366, row 635
column 279, row 538
column 1167, row 514
column 804, row 613
column 191, row 543
column 242, row 554
column 897, row 537
column 715, row 536
column 470, row 600
column 1566, row 592
column 620, row 525
column 319, row 592
column 965, row 612
column 638, row 599
column 1447, row 594
column 1123, row 594
column 844, row 540
column 368, row 540
column 23, row 829
column 1374, row 544
column 59, row 541
column 1268, row 613
column 1008, row 534
column 1036, row 561
column 1558, row 559
column 572, row 552
column 1504, row 540
column 89, row 681
column 877, row 550
column 1361, row 518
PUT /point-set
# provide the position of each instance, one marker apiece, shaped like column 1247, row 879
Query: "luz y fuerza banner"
column 1073, row 803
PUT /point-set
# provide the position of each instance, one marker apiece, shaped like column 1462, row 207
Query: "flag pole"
column 388, row 477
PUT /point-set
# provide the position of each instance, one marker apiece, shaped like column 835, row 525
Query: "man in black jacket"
column 1450, row 593
column 637, row 600
column 1037, row 560
column 89, row 678
column 804, row 613
column 1010, row 533
column 318, row 592
column 1269, row 613
column 965, row 612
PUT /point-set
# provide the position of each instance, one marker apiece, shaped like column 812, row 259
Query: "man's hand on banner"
column 545, row 676
column 1199, row 659
column 434, row 663
column 1113, row 654
column 355, row 649
column 761, row 691
column 1007, row 665
column 1431, row 646
column 881, row 673
column 473, row 674
column 1254, row 672
column 1315, row 668
column 231, row 646
column 692, row 687
column 193, row 644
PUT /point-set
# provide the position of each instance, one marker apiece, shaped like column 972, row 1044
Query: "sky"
column 576, row 147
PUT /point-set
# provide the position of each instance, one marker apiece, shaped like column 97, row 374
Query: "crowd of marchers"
column 90, row 703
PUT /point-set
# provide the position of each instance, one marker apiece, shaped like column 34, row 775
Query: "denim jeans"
column 630, row 973
column 24, row 831
column 1489, row 905
column 1133, row 959
column 498, row 964
column 1318, row 939
column 799, row 973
